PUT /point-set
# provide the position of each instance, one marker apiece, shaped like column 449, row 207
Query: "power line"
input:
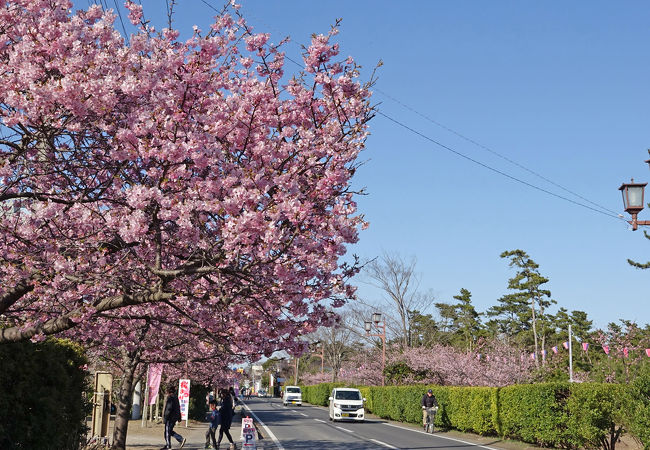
column 478, row 144
column 602, row 210
column 119, row 14
column 485, row 166
column 210, row 6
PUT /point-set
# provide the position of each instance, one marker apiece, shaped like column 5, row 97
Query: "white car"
column 292, row 395
column 347, row 404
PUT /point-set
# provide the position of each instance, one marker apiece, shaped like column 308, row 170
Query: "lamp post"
column 295, row 379
column 376, row 320
column 633, row 200
column 319, row 346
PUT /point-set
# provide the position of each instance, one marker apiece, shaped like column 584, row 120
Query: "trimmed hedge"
column 641, row 419
column 566, row 415
column 43, row 395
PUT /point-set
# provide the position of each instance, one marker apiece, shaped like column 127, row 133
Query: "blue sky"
column 561, row 88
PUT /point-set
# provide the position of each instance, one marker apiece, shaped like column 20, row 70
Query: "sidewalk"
column 152, row 436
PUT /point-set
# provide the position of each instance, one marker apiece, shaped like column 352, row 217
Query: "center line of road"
column 345, row 429
column 318, row 420
column 303, row 414
column 381, row 443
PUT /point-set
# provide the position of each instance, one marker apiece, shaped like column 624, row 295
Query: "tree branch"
column 66, row 321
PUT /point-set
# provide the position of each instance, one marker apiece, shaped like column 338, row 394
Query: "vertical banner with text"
column 184, row 397
column 153, row 382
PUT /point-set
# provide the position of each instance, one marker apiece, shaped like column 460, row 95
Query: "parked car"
column 293, row 395
column 347, row 404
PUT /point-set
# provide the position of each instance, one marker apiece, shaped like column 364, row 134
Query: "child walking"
column 214, row 418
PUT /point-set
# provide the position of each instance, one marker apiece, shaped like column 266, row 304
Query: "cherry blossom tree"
column 492, row 364
column 172, row 201
column 162, row 171
column 132, row 344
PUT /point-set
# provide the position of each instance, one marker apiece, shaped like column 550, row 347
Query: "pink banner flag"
column 647, row 352
column 606, row 349
column 625, row 351
column 565, row 345
column 585, row 346
column 532, row 356
column 554, row 349
column 478, row 356
column 153, row 382
column 543, row 352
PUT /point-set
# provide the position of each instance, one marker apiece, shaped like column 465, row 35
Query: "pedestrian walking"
column 214, row 417
column 171, row 415
column 226, row 412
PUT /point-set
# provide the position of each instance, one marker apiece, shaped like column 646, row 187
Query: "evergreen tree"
column 469, row 322
column 424, row 330
column 528, row 302
column 460, row 321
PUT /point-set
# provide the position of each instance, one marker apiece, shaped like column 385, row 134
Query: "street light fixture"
column 633, row 202
column 376, row 319
column 321, row 355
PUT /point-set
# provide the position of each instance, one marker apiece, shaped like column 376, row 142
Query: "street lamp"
column 376, row 319
column 633, row 200
column 320, row 346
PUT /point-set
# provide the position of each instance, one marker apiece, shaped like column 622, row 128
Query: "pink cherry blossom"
column 157, row 194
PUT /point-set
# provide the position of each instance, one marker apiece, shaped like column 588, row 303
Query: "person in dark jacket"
column 214, row 419
column 226, row 412
column 171, row 415
column 428, row 401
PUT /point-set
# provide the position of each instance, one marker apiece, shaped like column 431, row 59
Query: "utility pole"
column 570, row 357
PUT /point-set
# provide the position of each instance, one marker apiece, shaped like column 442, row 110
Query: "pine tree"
column 529, row 295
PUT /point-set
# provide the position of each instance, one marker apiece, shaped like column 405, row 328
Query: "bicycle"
column 431, row 417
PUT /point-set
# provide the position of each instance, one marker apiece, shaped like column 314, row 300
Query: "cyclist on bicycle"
column 429, row 406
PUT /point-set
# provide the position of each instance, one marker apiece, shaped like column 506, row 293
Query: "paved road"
column 308, row 427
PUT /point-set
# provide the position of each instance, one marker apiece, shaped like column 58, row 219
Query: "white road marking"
column 345, row 429
column 318, row 420
column 382, row 443
column 303, row 414
column 441, row 437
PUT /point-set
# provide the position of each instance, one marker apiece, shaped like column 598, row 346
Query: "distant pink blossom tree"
column 315, row 378
column 493, row 364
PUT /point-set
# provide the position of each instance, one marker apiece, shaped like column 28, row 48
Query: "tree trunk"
column 124, row 401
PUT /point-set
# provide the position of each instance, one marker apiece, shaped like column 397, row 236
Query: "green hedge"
column 43, row 395
column 566, row 415
column 318, row 394
column 641, row 418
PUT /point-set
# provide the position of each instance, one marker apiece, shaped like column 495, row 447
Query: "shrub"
column 566, row 415
column 598, row 414
column 640, row 425
column 43, row 395
column 534, row 413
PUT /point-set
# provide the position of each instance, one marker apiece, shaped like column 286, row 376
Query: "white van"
column 347, row 404
column 292, row 395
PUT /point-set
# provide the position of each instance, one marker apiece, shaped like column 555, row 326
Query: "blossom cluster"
column 156, row 194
